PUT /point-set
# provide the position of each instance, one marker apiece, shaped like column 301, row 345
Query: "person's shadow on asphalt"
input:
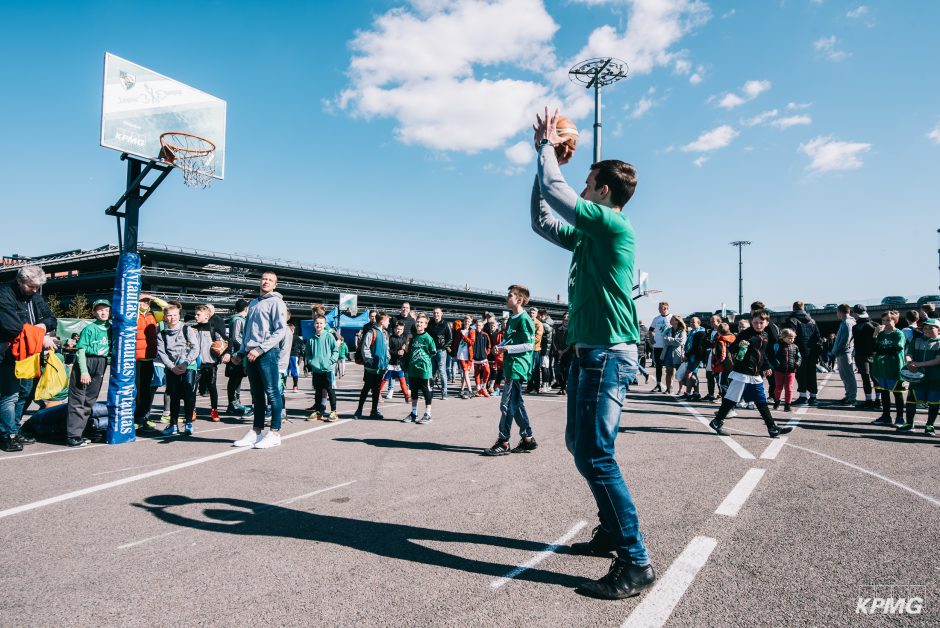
column 404, row 444
column 402, row 542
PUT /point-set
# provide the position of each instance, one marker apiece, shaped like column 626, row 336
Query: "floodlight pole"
column 740, row 244
column 597, row 73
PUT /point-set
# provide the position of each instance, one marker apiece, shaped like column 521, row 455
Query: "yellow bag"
column 27, row 368
column 53, row 380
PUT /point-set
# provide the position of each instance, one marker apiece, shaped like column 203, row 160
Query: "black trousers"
column 806, row 375
column 207, row 375
column 235, row 374
column 864, row 369
column 423, row 387
column 321, row 382
column 181, row 387
column 144, row 392
column 372, row 382
column 82, row 397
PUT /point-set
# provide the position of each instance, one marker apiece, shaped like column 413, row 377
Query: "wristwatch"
column 544, row 142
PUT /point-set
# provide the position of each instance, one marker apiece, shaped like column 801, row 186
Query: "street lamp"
column 597, row 73
column 740, row 244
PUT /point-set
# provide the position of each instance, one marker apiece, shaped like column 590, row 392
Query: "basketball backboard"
column 138, row 105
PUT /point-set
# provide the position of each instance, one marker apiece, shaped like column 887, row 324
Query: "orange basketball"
column 569, row 133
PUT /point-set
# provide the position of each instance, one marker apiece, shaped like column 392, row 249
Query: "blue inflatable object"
column 121, row 388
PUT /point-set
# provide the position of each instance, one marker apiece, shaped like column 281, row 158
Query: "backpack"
column 357, row 354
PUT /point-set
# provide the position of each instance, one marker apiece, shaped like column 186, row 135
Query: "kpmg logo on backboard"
column 128, row 80
column 891, row 599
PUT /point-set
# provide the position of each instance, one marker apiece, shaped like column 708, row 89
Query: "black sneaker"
column 787, row 408
column 25, row 439
column 716, row 425
column 812, row 401
column 799, row 401
column 525, row 446
column 622, row 581
column 905, row 427
column 776, row 404
column 883, row 420
column 10, row 443
column 708, row 398
column 376, row 415
column 411, row 418
column 695, row 397
column 775, row 430
column 657, row 388
column 501, row 448
column 600, row 544
column 76, row 441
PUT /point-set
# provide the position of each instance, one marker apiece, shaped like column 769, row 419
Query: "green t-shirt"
column 600, row 279
column 343, row 351
column 421, row 355
column 95, row 339
column 888, row 365
column 924, row 349
column 520, row 330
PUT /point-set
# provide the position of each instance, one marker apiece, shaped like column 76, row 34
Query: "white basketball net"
column 193, row 155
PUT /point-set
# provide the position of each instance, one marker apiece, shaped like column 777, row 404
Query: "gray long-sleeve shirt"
column 550, row 191
column 266, row 324
column 178, row 346
column 843, row 342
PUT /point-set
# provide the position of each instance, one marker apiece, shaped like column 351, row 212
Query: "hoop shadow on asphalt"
column 391, row 540
column 404, row 444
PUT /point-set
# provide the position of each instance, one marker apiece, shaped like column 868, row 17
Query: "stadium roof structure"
column 194, row 276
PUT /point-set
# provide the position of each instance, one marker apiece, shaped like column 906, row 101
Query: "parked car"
column 810, row 306
column 929, row 298
column 831, row 306
column 728, row 312
column 702, row 317
column 895, row 301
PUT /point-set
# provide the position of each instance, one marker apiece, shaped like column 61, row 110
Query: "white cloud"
column 699, row 161
column 424, row 65
column 520, row 153
column 750, row 91
column 683, row 66
column 725, row 16
column 718, row 137
column 643, row 105
column 695, row 79
column 858, row 12
column 826, row 46
column 760, row 118
column 829, row 155
column 935, row 134
column 791, row 106
column 786, row 123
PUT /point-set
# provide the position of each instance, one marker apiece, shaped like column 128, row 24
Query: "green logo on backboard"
column 127, row 80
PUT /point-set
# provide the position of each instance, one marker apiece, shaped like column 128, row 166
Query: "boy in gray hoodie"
column 842, row 349
column 178, row 351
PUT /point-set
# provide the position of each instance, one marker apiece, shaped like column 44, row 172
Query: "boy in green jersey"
column 603, row 329
column 91, row 360
column 889, row 360
column 923, row 356
column 421, row 353
column 321, row 355
column 516, row 349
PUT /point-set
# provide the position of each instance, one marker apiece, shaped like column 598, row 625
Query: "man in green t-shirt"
column 602, row 327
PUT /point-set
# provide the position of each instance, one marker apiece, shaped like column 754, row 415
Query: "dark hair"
column 797, row 305
column 929, row 309
column 844, row 308
column 912, row 316
column 380, row 316
column 761, row 314
column 618, row 176
column 757, row 305
column 520, row 291
column 240, row 305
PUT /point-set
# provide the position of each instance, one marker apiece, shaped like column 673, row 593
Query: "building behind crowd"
column 195, row 276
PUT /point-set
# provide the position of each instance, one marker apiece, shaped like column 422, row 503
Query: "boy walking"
column 321, row 355
column 516, row 348
column 751, row 361
column 375, row 357
column 397, row 346
column 422, row 351
column 91, row 360
column 178, row 350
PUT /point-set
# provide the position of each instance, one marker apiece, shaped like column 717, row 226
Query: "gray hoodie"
column 177, row 346
column 843, row 342
column 266, row 324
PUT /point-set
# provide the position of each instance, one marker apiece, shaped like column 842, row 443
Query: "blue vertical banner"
column 121, row 388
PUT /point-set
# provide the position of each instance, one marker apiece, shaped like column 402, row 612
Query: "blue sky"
column 392, row 136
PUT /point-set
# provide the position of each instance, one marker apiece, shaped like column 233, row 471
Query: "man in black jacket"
column 751, row 354
column 809, row 343
column 863, row 338
column 443, row 336
column 20, row 304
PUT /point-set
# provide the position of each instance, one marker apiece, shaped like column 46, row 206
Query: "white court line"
column 659, row 603
column 739, row 494
column 51, row 451
column 535, row 560
column 143, row 466
column 773, row 448
column 149, row 474
column 203, row 524
column 727, row 440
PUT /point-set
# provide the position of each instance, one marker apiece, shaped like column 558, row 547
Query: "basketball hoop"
column 193, row 155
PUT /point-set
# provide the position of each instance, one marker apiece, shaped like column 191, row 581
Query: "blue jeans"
column 440, row 369
column 13, row 395
column 597, row 386
column 265, row 381
column 512, row 406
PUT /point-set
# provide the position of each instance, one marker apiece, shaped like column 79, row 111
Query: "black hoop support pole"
column 135, row 195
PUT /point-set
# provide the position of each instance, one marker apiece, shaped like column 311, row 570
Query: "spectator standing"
column 535, row 377
column 320, row 354
column 696, row 352
column 563, row 351
column 178, row 351
column 375, row 357
column 842, row 350
column 658, row 328
column 234, row 362
column 421, row 351
column 673, row 349
column 786, row 361
column 923, row 355
column 148, row 323
column 208, row 334
column 809, row 344
column 91, row 360
column 546, row 354
column 863, row 339
column 21, row 304
column 443, row 337
column 886, row 368
column 407, row 320
column 265, row 328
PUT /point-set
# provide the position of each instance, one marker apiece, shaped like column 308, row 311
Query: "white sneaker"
column 248, row 439
column 271, row 439
column 732, row 414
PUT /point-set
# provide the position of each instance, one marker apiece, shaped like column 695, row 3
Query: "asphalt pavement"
column 381, row 523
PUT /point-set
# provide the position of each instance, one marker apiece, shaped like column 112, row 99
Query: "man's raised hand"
column 545, row 129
